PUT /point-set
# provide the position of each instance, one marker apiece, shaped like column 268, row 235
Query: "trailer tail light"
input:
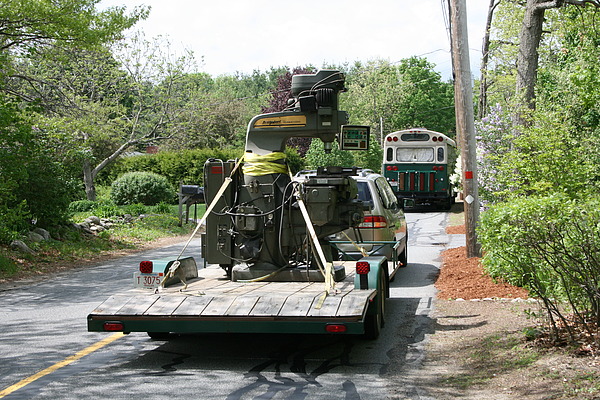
column 113, row 326
column 373, row 221
column 336, row 328
column 146, row 267
column 362, row 267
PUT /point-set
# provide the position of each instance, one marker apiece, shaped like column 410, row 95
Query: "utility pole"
column 465, row 121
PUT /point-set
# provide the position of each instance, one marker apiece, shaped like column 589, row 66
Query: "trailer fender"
column 370, row 280
column 185, row 270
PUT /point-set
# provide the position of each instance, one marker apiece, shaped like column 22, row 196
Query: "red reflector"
column 113, row 326
column 389, row 168
column 434, row 138
column 395, row 168
column 440, row 168
column 435, row 168
column 440, row 139
column 363, row 267
column 216, row 170
column 146, row 267
column 335, row 328
column 395, row 138
column 389, row 138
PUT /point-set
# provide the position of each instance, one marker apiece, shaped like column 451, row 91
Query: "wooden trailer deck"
column 211, row 299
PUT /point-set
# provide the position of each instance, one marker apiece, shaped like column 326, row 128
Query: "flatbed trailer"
column 212, row 303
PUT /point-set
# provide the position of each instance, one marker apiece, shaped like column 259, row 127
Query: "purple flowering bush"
column 494, row 138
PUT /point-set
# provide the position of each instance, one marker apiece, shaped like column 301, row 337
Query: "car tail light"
column 146, row 267
column 336, row 328
column 362, row 267
column 373, row 221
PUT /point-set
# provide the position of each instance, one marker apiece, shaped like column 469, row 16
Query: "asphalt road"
column 47, row 353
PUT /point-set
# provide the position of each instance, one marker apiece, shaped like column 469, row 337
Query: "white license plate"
column 147, row 281
column 393, row 183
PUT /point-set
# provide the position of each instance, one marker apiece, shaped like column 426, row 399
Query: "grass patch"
column 584, row 386
column 75, row 247
column 493, row 356
column 7, row 267
column 456, row 216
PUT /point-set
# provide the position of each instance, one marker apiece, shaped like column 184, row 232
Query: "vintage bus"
column 418, row 164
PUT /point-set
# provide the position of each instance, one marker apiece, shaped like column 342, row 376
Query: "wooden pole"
column 465, row 122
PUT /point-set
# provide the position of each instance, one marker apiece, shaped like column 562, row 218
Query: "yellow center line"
column 63, row 363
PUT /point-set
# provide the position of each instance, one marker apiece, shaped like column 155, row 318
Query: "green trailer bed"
column 213, row 303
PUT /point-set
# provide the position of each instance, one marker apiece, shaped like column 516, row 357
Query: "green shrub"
column 82, row 206
column 107, row 211
column 549, row 245
column 316, row 156
column 184, row 166
column 141, row 187
column 14, row 221
column 135, row 209
column 162, row 208
column 7, row 266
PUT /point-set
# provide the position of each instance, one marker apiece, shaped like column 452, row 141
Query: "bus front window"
column 414, row 154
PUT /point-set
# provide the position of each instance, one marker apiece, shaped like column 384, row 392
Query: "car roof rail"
column 365, row 171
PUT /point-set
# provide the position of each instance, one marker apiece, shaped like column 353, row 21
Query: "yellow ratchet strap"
column 264, row 165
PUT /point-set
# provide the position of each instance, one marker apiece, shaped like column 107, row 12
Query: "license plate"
column 393, row 183
column 147, row 281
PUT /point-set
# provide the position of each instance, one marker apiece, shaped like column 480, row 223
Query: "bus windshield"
column 414, row 154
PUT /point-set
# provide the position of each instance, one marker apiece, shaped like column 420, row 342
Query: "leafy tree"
column 316, row 157
column 34, row 186
column 114, row 110
column 526, row 48
column 407, row 95
column 34, row 27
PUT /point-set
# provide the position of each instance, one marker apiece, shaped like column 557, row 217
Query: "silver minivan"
column 383, row 230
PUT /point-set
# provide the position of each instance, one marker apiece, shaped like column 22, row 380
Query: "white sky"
column 246, row 35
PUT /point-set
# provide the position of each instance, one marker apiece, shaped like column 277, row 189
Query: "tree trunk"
column 527, row 58
column 483, row 86
column 88, row 180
